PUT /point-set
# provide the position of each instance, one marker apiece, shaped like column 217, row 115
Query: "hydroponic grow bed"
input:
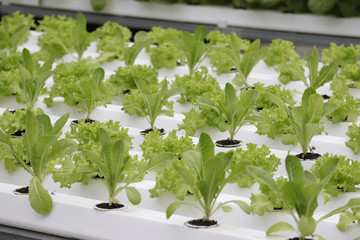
column 73, row 214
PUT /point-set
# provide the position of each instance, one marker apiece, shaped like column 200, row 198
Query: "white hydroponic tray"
column 214, row 15
column 73, row 215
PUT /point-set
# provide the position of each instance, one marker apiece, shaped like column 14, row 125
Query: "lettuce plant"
column 112, row 40
column 199, row 84
column 194, row 48
column 301, row 191
column 234, row 112
column 162, row 47
column 42, row 144
column 153, row 103
column 205, row 174
column 60, row 26
column 167, row 179
column 220, row 62
column 88, row 95
column 33, row 78
column 305, row 119
column 78, row 168
column 345, row 178
column 340, row 54
column 78, row 40
column 15, row 30
column 243, row 63
column 122, row 80
column 111, row 163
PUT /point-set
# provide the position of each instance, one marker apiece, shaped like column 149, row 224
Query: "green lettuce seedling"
column 42, row 143
column 305, row 119
column 111, row 163
column 205, row 174
column 79, row 39
column 243, row 63
column 194, row 48
column 153, row 103
column 15, row 30
column 234, row 112
column 316, row 78
column 88, row 95
column 33, row 78
column 301, row 191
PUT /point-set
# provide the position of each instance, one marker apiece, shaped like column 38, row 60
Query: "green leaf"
column 175, row 206
column 192, row 159
column 353, row 203
column 294, row 169
column 288, row 139
column 321, row 6
column 133, row 195
column 39, row 197
column 280, row 226
column 241, row 204
column 60, row 123
column 207, row 147
column 200, row 33
column 160, row 161
column 264, row 177
column 44, row 124
column 132, row 52
column 98, row 75
column 307, row 225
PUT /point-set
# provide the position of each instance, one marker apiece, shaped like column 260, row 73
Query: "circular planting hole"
column 22, row 191
column 148, row 130
column 18, row 133
column 308, row 156
column 87, row 120
column 201, row 223
column 227, row 143
column 105, row 206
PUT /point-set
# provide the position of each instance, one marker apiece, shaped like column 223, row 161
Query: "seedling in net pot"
column 233, row 112
column 151, row 105
column 205, row 174
column 300, row 195
column 89, row 91
column 243, row 63
column 111, row 163
column 305, row 119
column 42, row 143
column 33, row 78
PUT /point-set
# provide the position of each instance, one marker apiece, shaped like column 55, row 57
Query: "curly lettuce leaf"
column 192, row 121
column 276, row 123
column 123, row 79
column 264, row 101
column 346, row 176
column 167, row 179
column 253, row 155
column 281, row 52
column 63, row 26
column 12, row 121
column 290, row 72
column 197, row 85
column 67, row 79
column 112, row 39
column 15, row 30
column 348, row 109
column 354, row 138
column 162, row 47
column 340, row 54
